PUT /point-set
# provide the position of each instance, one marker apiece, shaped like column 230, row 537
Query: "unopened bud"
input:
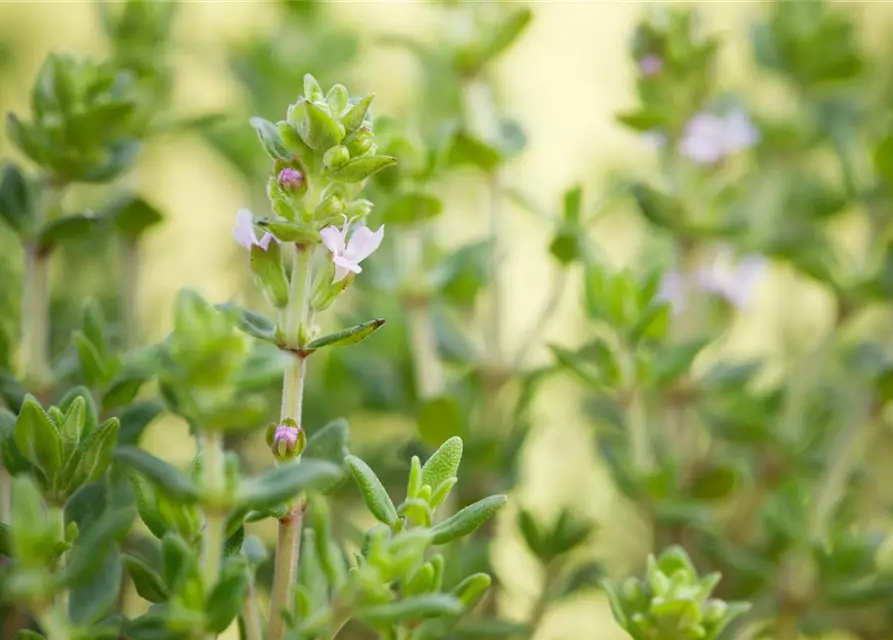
column 291, row 179
column 358, row 209
column 286, row 440
column 360, row 141
column 336, row 157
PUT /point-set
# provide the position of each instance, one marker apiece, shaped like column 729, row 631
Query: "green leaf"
column 91, row 458
column 587, row 576
column 532, row 535
column 354, row 118
column 270, row 139
column 252, row 323
column 358, row 169
column 508, row 31
column 658, row 208
column 226, row 599
column 467, row 520
column 164, row 476
column 443, row 463
column 25, row 137
column 414, row 207
column 413, row 608
column 15, row 199
column 284, row 482
column 34, row 537
column 65, row 228
column 714, row 481
column 266, row 265
column 37, row 439
column 472, row 589
column 132, row 216
column 122, row 391
column 290, row 231
column 149, row 585
column 440, row 419
column 93, row 365
column 89, row 602
column 135, row 418
column 330, row 442
column 466, row 149
column 314, row 126
column 374, row 494
column 351, row 335
column 92, row 547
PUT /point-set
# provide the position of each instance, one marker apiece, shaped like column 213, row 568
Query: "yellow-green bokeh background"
column 564, row 81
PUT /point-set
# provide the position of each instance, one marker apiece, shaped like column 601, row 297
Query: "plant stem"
column 215, row 520
column 542, row 319
column 35, row 318
column 128, row 273
column 427, row 366
column 493, row 338
column 288, row 545
column 251, row 615
column 52, row 625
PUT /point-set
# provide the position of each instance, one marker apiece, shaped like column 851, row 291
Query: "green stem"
column 251, row 615
column 427, row 366
column 288, row 544
column 35, row 318
column 214, row 536
column 128, row 273
column 493, row 339
column 53, row 625
column 35, row 312
column 542, row 320
column 542, row 604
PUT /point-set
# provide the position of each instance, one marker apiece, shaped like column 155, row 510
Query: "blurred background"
column 564, row 82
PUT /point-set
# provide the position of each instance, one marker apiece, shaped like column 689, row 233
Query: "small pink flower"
column 347, row 254
column 291, row 179
column 244, row 233
column 651, row 65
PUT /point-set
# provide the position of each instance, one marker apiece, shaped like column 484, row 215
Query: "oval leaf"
column 374, row 494
column 467, row 520
column 285, row 482
column 352, row 335
column 164, row 476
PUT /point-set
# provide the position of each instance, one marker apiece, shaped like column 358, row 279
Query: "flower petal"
column 333, row 238
column 243, row 232
column 264, row 242
column 343, row 266
column 363, row 242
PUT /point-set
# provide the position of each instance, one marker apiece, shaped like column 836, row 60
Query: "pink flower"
column 244, row 233
column 735, row 281
column 651, row 65
column 291, row 179
column 348, row 253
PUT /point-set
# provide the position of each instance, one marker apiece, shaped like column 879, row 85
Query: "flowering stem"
column 215, row 520
column 288, row 547
column 128, row 272
column 289, row 540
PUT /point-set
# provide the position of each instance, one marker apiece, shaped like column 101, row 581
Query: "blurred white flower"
column 708, row 138
column 348, row 253
column 735, row 281
column 244, row 233
column 654, row 139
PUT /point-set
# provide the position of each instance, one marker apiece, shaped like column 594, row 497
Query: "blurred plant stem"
column 288, row 543
column 214, row 483
column 542, row 603
column 542, row 320
column 429, row 374
column 35, row 329
column 128, row 294
column 51, row 622
column 251, row 614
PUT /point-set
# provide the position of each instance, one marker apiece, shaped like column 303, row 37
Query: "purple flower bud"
column 285, row 440
column 651, row 65
column 291, row 179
